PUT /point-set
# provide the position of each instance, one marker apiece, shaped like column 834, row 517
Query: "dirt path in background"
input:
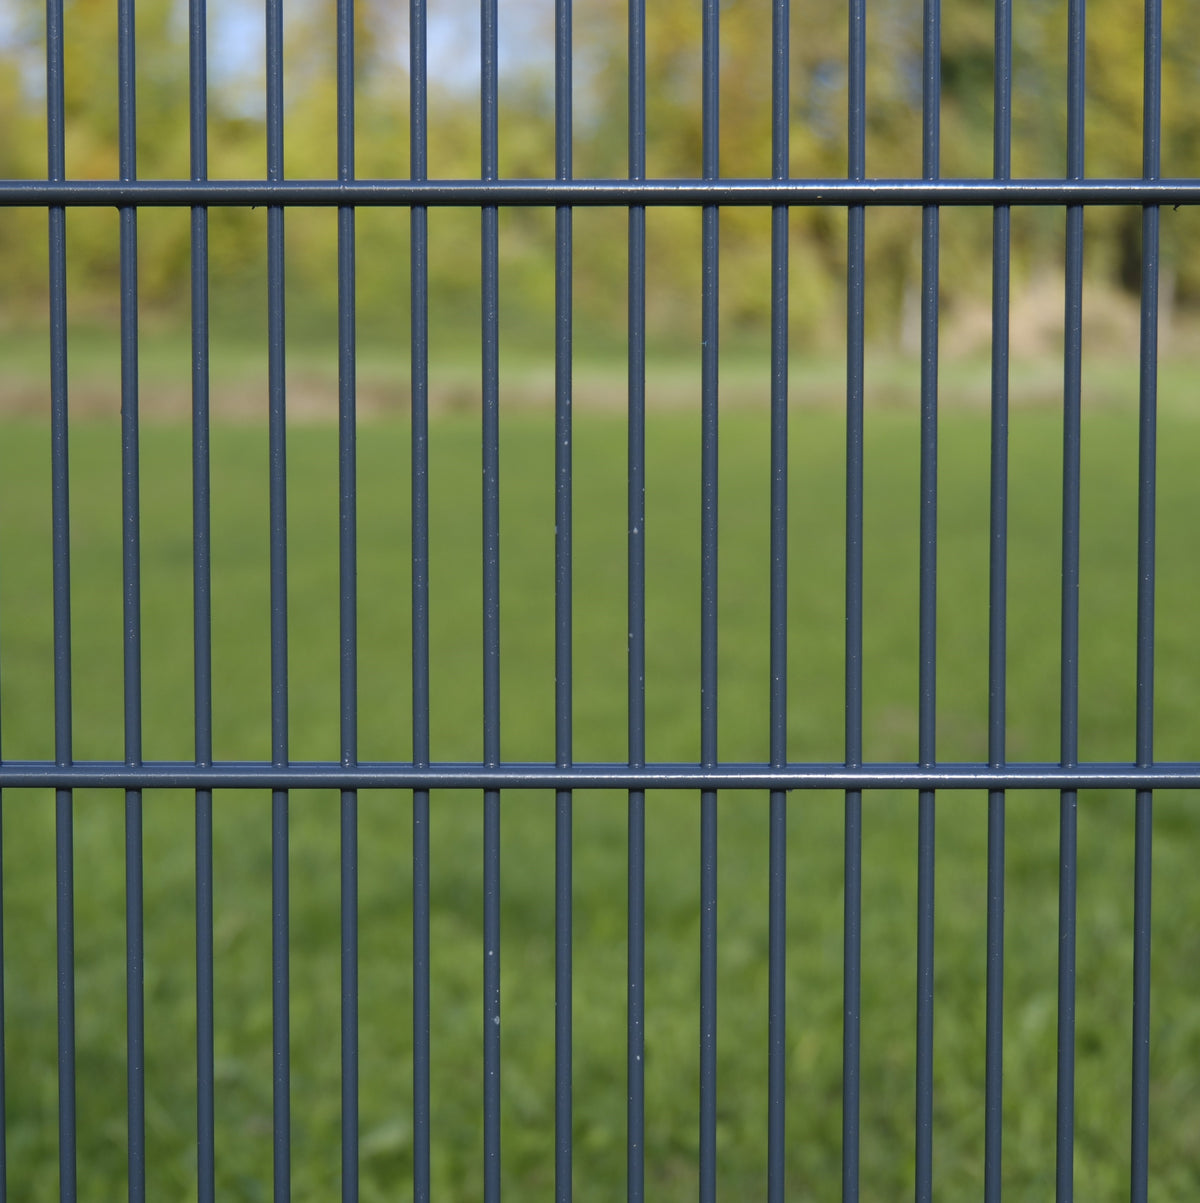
column 314, row 398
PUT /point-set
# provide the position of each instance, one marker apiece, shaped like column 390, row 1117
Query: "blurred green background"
column 242, row 819
column 237, row 149
column 816, row 607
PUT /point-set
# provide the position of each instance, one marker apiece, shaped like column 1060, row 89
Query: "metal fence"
column 855, row 193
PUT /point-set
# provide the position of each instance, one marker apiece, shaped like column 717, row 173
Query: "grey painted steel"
column 777, row 854
column 348, row 599
column 202, row 608
column 709, row 357
column 563, row 601
column 3, row 1030
column 61, row 536
column 931, row 89
column 135, row 1061
column 419, row 301
column 998, row 615
column 490, row 289
column 403, row 775
column 635, row 1116
column 281, row 1103
column 620, row 193
column 492, row 774
column 856, row 138
column 1069, row 668
column 1147, row 457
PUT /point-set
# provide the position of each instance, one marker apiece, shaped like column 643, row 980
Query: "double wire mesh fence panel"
column 642, row 576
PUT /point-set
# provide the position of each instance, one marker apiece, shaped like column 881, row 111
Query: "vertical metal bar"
column 1147, row 471
column 3, row 1030
column 709, row 321
column 562, row 604
column 277, row 438
column 490, row 235
column 348, row 599
column 131, row 556
column 931, row 105
column 636, row 519
column 1069, row 687
column 852, row 903
column 419, row 308
column 202, row 605
column 998, row 612
column 777, row 924
column 65, row 924
column 61, row 523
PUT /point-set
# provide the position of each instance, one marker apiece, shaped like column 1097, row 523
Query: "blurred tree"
column 818, row 145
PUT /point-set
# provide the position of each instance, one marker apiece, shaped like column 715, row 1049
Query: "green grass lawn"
column 242, row 819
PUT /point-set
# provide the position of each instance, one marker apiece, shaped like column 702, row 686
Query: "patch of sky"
column 22, row 42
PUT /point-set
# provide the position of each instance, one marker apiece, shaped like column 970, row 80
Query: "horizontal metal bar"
column 26, row 774
column 474, row 193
